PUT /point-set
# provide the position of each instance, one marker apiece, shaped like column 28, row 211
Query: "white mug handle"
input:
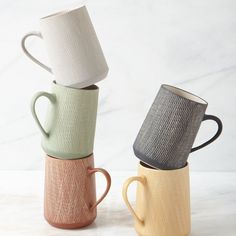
column 38, row 34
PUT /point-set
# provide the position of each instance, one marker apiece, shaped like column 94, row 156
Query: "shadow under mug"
column 70, row 192
column 170, row 128
column 73, row 48
column 69, row 129
column 162, row 201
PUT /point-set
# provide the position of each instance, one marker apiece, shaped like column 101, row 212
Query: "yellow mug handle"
column 140, row 179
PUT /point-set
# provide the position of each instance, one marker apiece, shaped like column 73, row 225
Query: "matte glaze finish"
column 73, row 48
column 170, row 127
column 70, row 192
column 163, row 202
column 69, row 128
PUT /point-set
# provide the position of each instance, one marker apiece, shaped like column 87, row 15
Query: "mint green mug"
column 69, row 129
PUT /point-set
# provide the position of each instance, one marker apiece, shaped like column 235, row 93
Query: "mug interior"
column 184, row 94
column 91, row 87
column 156, row 169
column 147, row 166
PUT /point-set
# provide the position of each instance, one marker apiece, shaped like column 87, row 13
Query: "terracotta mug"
column 162, row 201
column 74, row 51
column 70, row 192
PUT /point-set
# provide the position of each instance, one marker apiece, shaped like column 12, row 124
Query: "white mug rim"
column 184, row 94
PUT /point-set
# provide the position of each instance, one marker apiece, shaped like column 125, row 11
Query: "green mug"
column 69, row 130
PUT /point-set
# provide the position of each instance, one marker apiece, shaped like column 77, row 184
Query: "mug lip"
column 65, row 159
column 197, row 99
column 92, row 87
column 62, row 12
column 150, row 168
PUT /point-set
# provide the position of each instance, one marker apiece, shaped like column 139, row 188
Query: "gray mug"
column 170, row 127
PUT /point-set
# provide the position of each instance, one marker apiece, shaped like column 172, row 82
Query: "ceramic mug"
column 170, row 127
column 69, row 129
column 162, row 201
column 70, row 192
column 74, row 51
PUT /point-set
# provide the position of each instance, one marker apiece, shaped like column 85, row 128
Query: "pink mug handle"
column 108, row 179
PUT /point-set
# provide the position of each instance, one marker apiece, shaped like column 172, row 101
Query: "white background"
column 190, row 44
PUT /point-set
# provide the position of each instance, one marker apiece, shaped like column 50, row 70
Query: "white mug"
column 73, row 48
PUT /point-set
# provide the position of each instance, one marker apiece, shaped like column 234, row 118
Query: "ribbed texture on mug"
column 168, row 131
column 71, row 123
column 69, row 192
column 73, row 48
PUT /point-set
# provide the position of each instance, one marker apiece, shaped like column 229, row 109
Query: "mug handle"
column 51, row 98
column 220, row 127
column 108, row 179
column 23, row 45
column 140, row 179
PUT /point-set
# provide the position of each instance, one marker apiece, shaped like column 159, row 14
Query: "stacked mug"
column 68, row 133
column 163, row 145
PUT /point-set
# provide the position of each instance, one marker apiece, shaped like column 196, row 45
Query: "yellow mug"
column 162, row 201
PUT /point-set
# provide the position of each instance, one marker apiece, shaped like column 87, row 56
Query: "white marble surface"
column 191, row 44
column 213, row 197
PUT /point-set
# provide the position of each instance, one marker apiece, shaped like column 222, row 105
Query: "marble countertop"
column 213, row 201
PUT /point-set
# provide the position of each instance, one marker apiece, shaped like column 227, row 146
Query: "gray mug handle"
column 51, row 98
column 220, row 127
column 27, row 53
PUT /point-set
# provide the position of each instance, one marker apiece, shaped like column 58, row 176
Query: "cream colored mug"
column 162, row 202
column 73, row 48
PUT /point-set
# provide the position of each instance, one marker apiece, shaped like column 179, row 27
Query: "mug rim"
column 150, row 168
column 63, row 159
column 196, row 98
column 62, row 12
column 92, row 87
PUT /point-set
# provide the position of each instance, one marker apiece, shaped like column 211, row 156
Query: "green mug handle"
column 51, row 98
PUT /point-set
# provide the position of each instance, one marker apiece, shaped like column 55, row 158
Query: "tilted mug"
column 73, row 48
column 170, row 127
column 70, row 192
column 69, row 128
column 162, row 205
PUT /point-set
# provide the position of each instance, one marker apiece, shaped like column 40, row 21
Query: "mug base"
column 154, row 164
column 66, row 156
column 154, row 234
column 86, row 83
column 70, row 226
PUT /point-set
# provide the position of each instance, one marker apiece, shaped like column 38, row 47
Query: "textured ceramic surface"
column 213, row 206
column 74, row 51
column 162, row 202
column 70, row 192
column 170, row 127
column 197, row 54
column 69, row 128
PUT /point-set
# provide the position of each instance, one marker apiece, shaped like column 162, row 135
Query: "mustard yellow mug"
column 162, row 201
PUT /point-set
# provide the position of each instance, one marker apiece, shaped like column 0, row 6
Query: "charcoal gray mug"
column 168, row 132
